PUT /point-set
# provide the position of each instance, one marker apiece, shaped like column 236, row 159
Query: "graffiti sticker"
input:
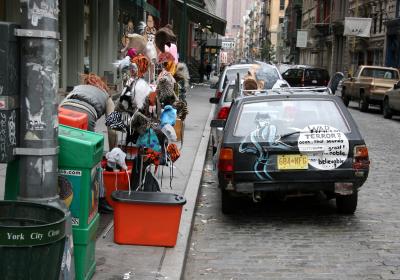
column 326, row 147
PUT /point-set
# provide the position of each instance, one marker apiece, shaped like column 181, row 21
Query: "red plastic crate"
column 72, row 118
column 147, row 218
column 115, row 181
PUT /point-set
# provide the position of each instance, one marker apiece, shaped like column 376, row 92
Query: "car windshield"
column 290, row 115
column 380, row 73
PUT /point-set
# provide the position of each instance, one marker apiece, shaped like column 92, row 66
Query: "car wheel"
column 387, row 114
column 347, row 204
column 227, row 202
column 363, row 103
column 345, row 98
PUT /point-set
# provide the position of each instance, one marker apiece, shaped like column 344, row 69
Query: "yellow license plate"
column 292, row 162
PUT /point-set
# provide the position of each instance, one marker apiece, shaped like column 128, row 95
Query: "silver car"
column 222, row 107
column 229, row 74
column 271, row 78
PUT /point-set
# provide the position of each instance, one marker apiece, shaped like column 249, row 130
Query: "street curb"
column 173, row 264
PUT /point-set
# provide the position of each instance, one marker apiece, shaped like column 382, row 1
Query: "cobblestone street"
column 304, row 238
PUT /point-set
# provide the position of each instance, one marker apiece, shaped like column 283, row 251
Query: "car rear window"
column 268, row 74
column 316, row 74
column 380, row 73
column 289, row 115
column 231, row 74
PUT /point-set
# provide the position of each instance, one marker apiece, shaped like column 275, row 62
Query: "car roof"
column 239, row 66
column 291, row 91
column 258, row 98
column 307, row 67
column 378, row 67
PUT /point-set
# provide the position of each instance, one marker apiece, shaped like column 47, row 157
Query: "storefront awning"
column 199, row 15
column 147, row 7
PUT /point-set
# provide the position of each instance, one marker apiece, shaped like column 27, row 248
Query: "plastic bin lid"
column 148, row 197
column 79, row 148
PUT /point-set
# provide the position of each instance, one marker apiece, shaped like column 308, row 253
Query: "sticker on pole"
column 327, row 147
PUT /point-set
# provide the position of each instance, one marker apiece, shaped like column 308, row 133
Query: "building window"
column 282, row 5
column 398, row 8
column 375, row 23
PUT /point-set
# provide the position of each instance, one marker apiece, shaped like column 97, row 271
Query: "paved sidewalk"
column 147, row 262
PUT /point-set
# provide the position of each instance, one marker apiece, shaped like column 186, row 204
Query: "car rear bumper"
column 304, row 186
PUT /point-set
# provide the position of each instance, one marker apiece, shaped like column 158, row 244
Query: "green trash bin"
column 79, row 179
column 32, row 238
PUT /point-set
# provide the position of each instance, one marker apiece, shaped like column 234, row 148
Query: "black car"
column 305, row 76
column 291, row 143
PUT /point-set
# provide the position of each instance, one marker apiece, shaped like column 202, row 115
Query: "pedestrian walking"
column 202, row 70
column 92, row 98
column 208, row 70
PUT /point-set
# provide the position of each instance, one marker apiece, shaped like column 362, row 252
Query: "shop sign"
column 359, row 27
column 301, row 38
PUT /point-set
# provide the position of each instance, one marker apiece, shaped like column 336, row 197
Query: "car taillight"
column 218, row 94
column 223, row 113
column 225, row 161
column 326, row 82
column 361, row 158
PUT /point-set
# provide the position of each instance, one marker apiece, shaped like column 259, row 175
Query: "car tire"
column 227, row 202
column 347, row 204
column 363, row 103
column 345, row 98
column 387, row 113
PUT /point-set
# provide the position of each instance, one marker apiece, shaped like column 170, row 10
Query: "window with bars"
column 282, row 4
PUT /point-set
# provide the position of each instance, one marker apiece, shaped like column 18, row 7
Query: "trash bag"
column 150, row 183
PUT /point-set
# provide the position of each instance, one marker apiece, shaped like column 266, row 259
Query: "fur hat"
column 142, row 63
column 165, row 90
column 165, row 57
column 137, row 42
column 182, row 73
column 164, row 36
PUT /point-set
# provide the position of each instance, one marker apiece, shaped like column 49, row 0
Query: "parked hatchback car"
column 291, row 143
column 391, row 102
column 303, row 76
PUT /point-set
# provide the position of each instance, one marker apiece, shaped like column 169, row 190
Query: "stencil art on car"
column 265, row 132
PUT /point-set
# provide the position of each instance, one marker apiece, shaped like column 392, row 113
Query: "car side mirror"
column 397, row 85
column 214, row 100
column 213, row 86
column 218, row 123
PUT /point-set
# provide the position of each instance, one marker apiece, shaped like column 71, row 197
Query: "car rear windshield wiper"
column 289, row 134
